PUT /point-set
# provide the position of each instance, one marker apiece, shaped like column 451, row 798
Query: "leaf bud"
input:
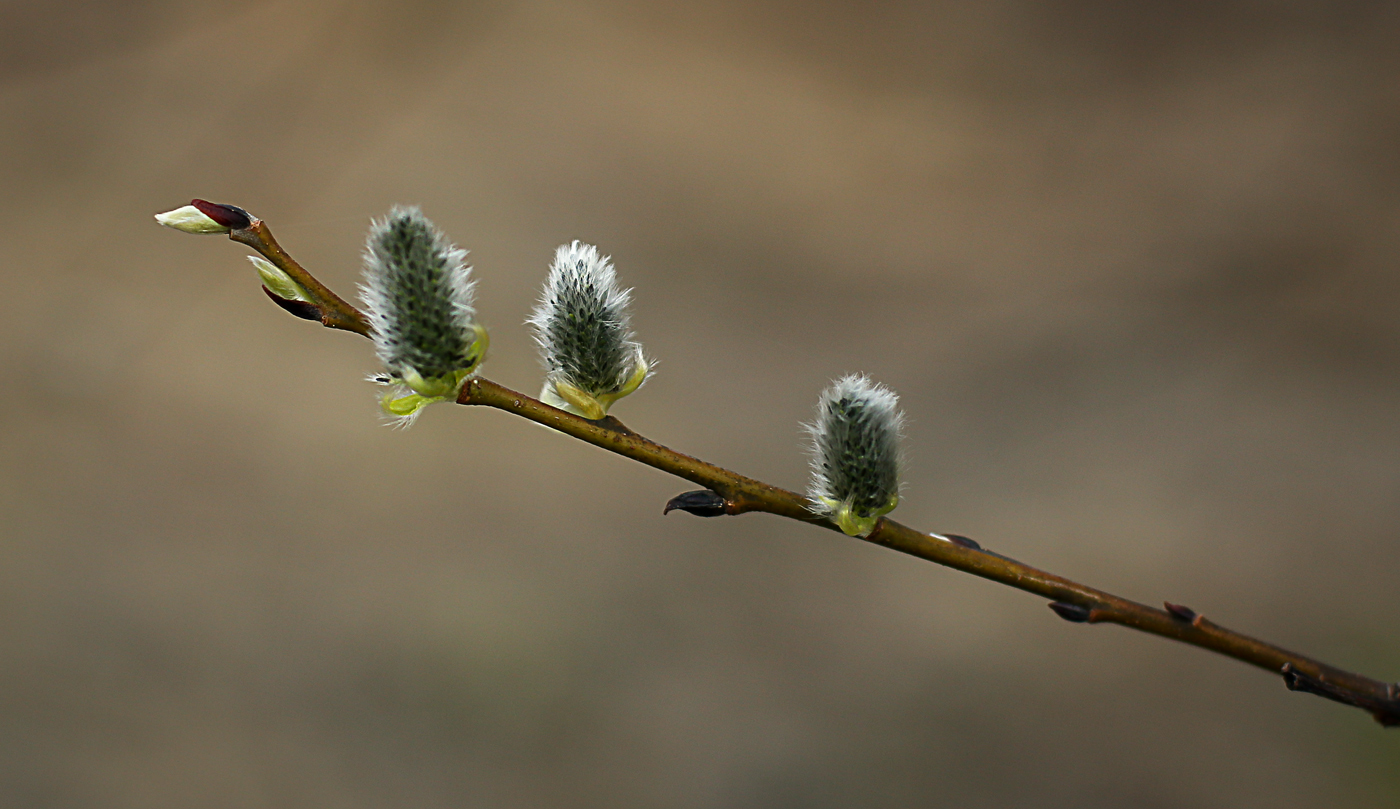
column 204, row 217
column 191, row 220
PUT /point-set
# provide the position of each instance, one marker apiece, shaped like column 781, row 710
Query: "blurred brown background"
column 1132, row 267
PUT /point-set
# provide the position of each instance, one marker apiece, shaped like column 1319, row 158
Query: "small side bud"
column 278, row 282
column 1073, row 613
column 966, row 542
column 418, row 294
column 582, row 326
column 701, row 503
column 855, row 454
column 302, row 309
column 191, row 220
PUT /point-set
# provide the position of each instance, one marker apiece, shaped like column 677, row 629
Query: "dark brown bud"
column 957, row 539
column 230, row 216
column 301, row 309
column 1179, row 612
column 1073, row 613
column 702, row 503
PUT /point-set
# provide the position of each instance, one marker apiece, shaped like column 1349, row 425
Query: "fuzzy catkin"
column 582, row 325
column 855, row 449
column 418, row 293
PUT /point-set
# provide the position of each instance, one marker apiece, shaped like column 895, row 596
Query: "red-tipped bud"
column 230, row 216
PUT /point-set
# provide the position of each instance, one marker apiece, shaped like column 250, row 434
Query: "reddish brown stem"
column 331, row 309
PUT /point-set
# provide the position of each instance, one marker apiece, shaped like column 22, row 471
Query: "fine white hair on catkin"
column 581, row 322
column 855, row 447
column 418, row 295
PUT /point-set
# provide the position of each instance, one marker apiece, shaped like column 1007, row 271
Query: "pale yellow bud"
column 190, row 220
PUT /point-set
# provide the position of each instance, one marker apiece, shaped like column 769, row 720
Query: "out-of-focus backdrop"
column 1131, row 266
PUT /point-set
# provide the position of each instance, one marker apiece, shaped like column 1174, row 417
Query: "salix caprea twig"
column 729, row 493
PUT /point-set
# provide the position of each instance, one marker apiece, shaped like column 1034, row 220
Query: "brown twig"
column 736, row 494
column 330, row 308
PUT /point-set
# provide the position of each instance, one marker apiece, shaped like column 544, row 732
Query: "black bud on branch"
column 702, row 503
column 1180, row 613
column 1073, row 613
column 963, row 541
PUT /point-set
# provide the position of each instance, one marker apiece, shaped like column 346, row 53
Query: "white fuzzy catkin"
column 582, row 327
column 856, row 455
column 418, row 296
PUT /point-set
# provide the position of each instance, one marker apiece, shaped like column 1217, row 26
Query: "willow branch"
column 326, row 306
column 728, row 492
